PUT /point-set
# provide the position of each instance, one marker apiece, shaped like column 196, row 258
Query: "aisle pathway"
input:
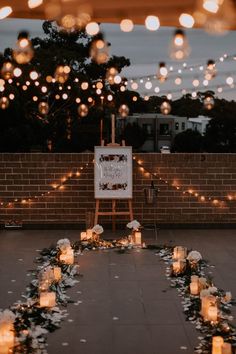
column 123, row 302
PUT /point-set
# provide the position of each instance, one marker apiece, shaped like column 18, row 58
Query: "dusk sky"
column 146, row 49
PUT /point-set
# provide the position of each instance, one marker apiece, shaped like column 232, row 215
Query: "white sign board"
column 113, row 172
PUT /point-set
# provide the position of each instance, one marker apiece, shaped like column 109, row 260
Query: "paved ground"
column 126, row 304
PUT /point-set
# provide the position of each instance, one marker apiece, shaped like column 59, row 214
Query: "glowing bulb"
column 135, row 98
column 208, row 102
column 165, row 107
column 195, row 82
column 117, row 79
column 126, row 25
column 84, row 85
column 44, row 89
column 162, row 72
column 229, row 80
column 186, row 20
column 23, row 52
column 17, row 72
column 83, row 110
column 7, row 70
column 123, row 110
column 4, row 102
column 5, row 12
column 110, row 98
column 178, row 81
column 152, row 23
column 211, row 6
column 148, row 85
column 179, row 48
column 43, row 108
column 92, row 28
column 134, row 86
column 157, row 90
column 34, row 3
column 99, row 51
column 64, row 96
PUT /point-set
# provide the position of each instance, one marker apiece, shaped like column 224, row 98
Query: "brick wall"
column 24, row 176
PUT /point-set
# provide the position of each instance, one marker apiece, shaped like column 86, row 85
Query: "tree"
column 134, row 135
column 58, row 121
column 188, row 141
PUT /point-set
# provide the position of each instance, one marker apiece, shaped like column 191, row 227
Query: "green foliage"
column 134, row 135
column 188, row 141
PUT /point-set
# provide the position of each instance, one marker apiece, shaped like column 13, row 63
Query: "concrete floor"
column 127, row 306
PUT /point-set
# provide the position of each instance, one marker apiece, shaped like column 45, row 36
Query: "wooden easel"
column 113, row 211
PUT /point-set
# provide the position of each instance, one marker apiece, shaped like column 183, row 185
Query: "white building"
column 199, row 123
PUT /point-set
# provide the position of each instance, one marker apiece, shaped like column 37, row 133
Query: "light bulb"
column 152, row 23
column 179, row 47
column 5, row 12
column 123, row 110
column 92, row 28
column 23, row 51
column 162, row 72
column 210, row 71
column 34, row 3
column 7, row 70
column 4, row 102
column 126, row 25
column 110, row 75
column 83, row 110
column 43, row 108
column 186, row 20
column 99, row 51
column 62, row 73
column 165, row 107
column 208, row 102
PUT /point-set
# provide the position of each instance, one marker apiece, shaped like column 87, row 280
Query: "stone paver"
column 127, row 306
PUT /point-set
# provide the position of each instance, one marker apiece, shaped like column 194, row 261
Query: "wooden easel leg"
column 113, row 215
column 131, row 215
column 96, row 212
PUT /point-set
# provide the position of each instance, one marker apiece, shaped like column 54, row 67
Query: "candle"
column 194, row 288
column 137, row 238
column 202, row 283
column 194, row 278
column 180, row 252
column 67, row 257
column 6, row 337
column 207, row 301
column 217, row 343
column 47, row 299
column 212, row 313
column 83, row 235
column 226, row 348
column 178, row 266
column 89, row 233
column 57, row 273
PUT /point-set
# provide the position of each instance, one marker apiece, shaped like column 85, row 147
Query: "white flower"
column 212, row 289
column 135, row 225
column 97, row 229
column 63, row 244
column 7, row 316
column 194, row 256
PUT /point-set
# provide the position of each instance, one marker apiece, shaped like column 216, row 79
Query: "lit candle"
column 137, row 238
column 202, row 283
column 194, row 288
column 180, row 252
column 226, row 348
column 178, row 266
column 47, row 299
column 67, row 257
column 207, row 301
column 212, row 313
column 217, row 343
column 194, row 278
column 57, row 273
column 89, row 233
column 83, row 235
column 6, row 337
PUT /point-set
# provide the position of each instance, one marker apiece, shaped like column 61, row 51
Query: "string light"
column 5, row 12
column 175, row 185
column 152, row 23
column 126, row 25
column 54, row 186
column 179, row 47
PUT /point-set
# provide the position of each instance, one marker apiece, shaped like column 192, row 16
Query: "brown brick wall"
column 30, row 175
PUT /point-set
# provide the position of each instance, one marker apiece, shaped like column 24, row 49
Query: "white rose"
column 98, row 229
column 135, row 225
column 194, row 256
